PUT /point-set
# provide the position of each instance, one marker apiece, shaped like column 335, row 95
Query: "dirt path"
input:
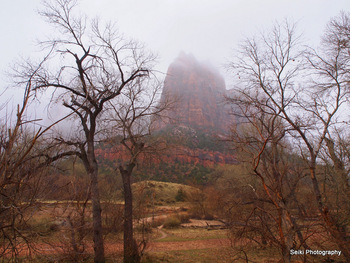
column 154, row 246
column 188, row 245
column 163, row 234
column 174, row 245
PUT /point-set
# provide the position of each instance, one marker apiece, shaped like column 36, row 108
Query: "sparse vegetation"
column 277, row 181
column 161, row 193
column 172, row 222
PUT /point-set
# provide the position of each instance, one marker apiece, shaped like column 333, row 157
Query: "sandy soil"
column 188, row 245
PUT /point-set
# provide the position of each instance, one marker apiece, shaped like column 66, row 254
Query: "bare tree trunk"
column 289, row 232
column 131, row 254
column 96, row 219
column 339, row 237
column 339, row 166
column 89, row 159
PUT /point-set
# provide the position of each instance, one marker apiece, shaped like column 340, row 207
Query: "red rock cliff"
column 199, row 90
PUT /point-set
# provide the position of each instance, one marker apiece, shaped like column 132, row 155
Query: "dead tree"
column 270, row 67
column 262, row 146
column 25, row 159
column 95, row 65
column 132, row 120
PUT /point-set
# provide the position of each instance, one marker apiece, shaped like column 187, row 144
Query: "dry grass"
column 192, row 234
column 160, row 193
column 184, row 245
column 166, row 245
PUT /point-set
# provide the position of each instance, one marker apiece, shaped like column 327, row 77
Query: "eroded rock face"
column 193, row 131
column 199, row 90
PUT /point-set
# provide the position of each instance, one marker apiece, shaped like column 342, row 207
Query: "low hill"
column 160, row 193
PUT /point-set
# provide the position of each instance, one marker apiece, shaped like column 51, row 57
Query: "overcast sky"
column 209, row 29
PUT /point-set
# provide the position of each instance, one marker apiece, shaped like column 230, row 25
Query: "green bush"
column 180, row 196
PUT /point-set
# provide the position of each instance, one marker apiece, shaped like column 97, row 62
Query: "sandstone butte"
column 199, row 90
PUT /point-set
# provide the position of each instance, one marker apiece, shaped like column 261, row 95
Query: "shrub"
column 172, row 222
column 180, row 196
column 208, row 216
column 112, row 216
column 184, row 218
column 157, row 222
column 144, row 227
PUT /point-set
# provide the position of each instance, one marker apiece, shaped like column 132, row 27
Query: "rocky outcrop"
column 193, row 131
column 199, row 90
column 178, row 154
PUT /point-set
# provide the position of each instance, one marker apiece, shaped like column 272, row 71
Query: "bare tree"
column 271, row 67
column 331, row 64
column 133, row 119
column 95, row 64
column 15, row 148
column 262, row 146
column 25, row 159
column 336, row 159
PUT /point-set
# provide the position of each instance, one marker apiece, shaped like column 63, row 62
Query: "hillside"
column 161, row 193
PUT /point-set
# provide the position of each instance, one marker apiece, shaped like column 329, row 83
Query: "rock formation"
column 193, row 130
column 199, row 90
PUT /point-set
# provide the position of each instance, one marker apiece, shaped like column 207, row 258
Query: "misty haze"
column 175, row 131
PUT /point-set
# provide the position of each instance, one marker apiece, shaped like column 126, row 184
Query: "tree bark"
column 97, row 220
column 339, row 237
column 131, row 254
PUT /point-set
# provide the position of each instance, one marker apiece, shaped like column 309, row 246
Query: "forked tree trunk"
column 89, row 159
column 131, row 254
